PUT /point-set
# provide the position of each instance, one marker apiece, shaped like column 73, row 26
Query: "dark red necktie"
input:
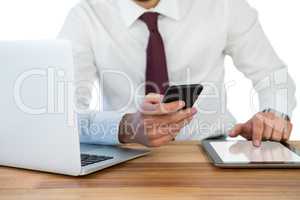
column 157, row 79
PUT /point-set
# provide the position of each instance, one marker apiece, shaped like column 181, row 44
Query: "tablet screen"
column 245, row 152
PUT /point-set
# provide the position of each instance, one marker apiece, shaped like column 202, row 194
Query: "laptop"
column 39, row 129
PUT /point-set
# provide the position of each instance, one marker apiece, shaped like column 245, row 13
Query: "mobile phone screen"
column 187, row 93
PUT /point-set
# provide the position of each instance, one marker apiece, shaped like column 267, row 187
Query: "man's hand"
column 156, row 124
column 264, row 126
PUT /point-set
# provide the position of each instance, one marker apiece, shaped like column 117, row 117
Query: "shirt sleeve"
column 94, row 127
column 254, row 56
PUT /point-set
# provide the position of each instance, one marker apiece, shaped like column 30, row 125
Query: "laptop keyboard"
column 87, row 159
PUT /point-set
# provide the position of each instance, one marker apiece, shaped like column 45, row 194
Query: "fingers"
column 268, row 130
column 169, row 124
column 181, row 125
column 282, row 130
column 237, row 130
column 167, row 138
column 276, row 136
column 178, row 116
column 161, row 141
column 161, row 108
column 151, row 102
column 264, row 126
column 268, row 126
column 277, row 130
column 174, row 118
column 287, row 132
column 153, row 98
column 169, row 129
column 258, row 130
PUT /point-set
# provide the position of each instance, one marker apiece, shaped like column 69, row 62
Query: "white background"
column 42, row 19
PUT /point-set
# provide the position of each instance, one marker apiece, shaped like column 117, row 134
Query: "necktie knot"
column 150, row 19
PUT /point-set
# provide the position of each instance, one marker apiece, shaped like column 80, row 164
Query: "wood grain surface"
column 177, row 171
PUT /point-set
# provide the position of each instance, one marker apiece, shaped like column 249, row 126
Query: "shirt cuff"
column 277, row 92
column 100, row 128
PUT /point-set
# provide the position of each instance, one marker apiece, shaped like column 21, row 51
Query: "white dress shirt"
column 109, row 44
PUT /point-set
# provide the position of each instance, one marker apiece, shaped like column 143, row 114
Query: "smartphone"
column 187, row 93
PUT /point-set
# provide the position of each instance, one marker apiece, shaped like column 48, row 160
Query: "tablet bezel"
column 217, row 161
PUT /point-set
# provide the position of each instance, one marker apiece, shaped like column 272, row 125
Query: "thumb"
column 237, row 130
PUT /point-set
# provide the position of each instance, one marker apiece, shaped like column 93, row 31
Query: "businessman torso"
column 110, row 46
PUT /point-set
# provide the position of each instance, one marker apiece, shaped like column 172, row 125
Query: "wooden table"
column 177, row 171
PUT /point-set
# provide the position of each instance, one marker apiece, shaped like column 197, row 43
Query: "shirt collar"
column 130, row 11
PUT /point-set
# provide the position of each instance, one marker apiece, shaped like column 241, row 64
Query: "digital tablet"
column 242, row 154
